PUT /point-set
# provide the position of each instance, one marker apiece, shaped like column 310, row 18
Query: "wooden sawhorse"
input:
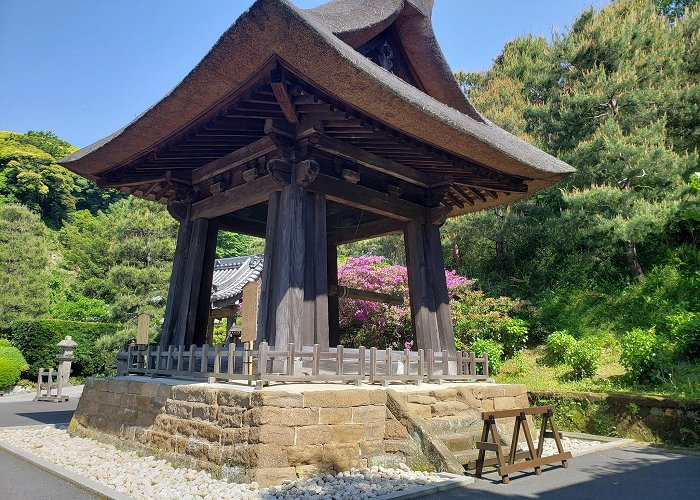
column 533, row 458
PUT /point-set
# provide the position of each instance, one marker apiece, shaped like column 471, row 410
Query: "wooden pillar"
column 200, row 328
column 430, row 301
column 333, row 305
column 193, row 259
column 294, row 294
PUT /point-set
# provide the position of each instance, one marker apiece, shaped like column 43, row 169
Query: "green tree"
column 30, row 175
column 24, row 261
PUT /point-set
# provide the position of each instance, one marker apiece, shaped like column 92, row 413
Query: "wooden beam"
column 365, row 231
column 238, row 157
column 355, row 293
column 369, row 160
column 477, row 193
column 463, row 194
column 128, row 182
column 279, row 88
column 235, row 224
column 368, row 199
column 245, row 195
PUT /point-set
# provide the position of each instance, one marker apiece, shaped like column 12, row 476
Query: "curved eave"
column 299, row 41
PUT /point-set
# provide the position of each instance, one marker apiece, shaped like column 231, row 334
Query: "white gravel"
column 569, row 444
column 145, row 477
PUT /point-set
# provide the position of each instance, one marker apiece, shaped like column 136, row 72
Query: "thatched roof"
column 320, row 46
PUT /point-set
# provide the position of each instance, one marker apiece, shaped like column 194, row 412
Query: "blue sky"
column 84, row 69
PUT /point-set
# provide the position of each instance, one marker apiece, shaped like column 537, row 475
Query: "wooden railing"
column 311, row 364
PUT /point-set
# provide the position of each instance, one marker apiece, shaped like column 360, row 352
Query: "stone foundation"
column 288, row 431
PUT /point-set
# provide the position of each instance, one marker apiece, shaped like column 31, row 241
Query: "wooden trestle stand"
column 533, row 457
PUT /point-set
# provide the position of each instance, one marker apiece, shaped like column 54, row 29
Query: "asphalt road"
column 634, row 472
column 24, row 481
column 30, row 413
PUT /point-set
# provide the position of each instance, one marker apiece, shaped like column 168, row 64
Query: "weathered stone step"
column 459, row 441
column 467, row 457
column 452, row 425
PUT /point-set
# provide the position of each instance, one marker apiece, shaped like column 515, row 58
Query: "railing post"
column 421, row 368
column 372, row 364
column 361, row 368
column 486, row 364
column 290, row 358
column 147, row 361
column 339, row 360
column 231, row 358
column 316, row 361
column 445, row 362
column 190, row 365
column 204, row 366
column 180, row 358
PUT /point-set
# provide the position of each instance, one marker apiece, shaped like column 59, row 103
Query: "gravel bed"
column 145, row 477
column 569, row 444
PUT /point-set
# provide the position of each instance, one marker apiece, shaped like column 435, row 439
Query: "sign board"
column 251, row 297
column 142, row 329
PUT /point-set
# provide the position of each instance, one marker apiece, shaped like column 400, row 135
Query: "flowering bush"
column 376, row 324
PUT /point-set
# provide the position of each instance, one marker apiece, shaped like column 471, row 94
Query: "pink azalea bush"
column 374, row 324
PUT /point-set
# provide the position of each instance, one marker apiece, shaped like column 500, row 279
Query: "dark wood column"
column 430, row 302
column 294, row 294
column 333, row 305
column 190, row 283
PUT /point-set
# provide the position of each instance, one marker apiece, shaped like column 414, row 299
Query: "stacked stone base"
column 284, row 432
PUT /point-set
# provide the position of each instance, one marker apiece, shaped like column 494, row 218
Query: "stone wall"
column 283, row 432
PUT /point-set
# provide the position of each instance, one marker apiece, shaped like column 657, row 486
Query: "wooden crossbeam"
column 245, row 195
column 365, row 231
column 355, row 293
column 238, row 157
column 477, row 193
column 369, row 199
column 279, row 88
column 128, row 182
column 378, row 163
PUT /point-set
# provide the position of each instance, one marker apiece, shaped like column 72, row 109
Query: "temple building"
column 315, row 128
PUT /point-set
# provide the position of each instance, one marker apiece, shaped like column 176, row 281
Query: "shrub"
column 5, row 343
column 15, row 356
column 645, row 355
column 479, row 317
column 38, row 340
column 584, row 358
column 9, row 373
column 685, row 331
column 559, row 343
column 493, row 349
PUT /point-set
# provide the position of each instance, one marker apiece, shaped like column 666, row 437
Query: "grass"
column 531, row 368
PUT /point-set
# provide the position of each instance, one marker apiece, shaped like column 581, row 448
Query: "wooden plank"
column 365, row 231
column 533, row 410
column 355, row 293
column 251, row 298
column 238, row 157
column 242, row 196
column 279, row 88
column 370, row 160
column 368, row 199
column 529, row 464
column 333, row 305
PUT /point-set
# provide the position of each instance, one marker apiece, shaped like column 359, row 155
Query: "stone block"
column 422, row 411
column 150, row 389
column 195, row 393
column 447, row 394
column 271, row 476
column 420, row 398
column 301, row 455
column 335, row 415
column 199, row 429
column 484, row 391
column 514, row 389
column 203, row 411
column 521, row 401
column 272, row 434
column 268, row 455
column 375, row 430
column 277, row 398
column 336, row 399
column 368, row 415
column 291, row 417
column 144, row 403
column 199, row 450
column 395, row 430
column 313, row 434
column 341, row 456
column 235, row 436
column 178, row 409
column 117, row 386
column 371, row 448
column 95, row 384
column 135, row 388
column 347, row 433
column 376, row 397
column 161, row 440
column 310, row 470
column 229, row 416
column 232, row 397
column 487, row 405
column 504, row 403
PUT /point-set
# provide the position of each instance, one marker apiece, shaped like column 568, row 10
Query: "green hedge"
column 38, row 342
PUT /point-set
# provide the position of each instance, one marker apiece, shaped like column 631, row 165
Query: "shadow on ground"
column 629, row 473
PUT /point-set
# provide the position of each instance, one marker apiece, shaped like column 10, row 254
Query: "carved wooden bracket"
column 280, row 171
column 306, row 172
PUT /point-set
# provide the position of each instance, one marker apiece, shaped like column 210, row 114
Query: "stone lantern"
column 65, row 359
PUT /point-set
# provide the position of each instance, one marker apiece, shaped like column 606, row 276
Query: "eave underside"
column 217, row 157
